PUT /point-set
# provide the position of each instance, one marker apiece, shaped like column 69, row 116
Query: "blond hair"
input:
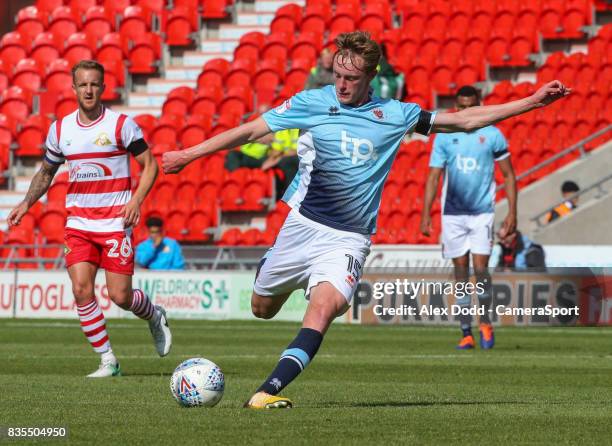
column 87, row 65
column 358, row 43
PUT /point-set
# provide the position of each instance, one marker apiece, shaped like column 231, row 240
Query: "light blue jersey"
column 354, row 148
column 469, row 186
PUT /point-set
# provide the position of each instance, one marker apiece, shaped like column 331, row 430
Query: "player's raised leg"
column 121, row 292
column 91, row 317
column 481, row 262
column 326, row 303
column 462, row 276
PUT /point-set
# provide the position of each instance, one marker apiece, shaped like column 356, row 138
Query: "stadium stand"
column 200, row 67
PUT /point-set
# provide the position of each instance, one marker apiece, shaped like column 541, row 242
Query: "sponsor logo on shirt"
column 102, row 140
column 334, row 111
column 466, row 164
column 357, row 149
column 89, row 171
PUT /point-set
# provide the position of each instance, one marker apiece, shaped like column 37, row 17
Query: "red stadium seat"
column 51, row 224
column 231, row 237
column 77, row 48
column 293, row 11
column 550, row 23
column 214, row 9
column 239, row 74
column 97, row 23
column 178, row 101
column 197, row 223
column 146, row 122
column 27, row 75
column 31, row 137
column 145, row 53
column 44, row 50
column 195, row 130
column 12, row 49
column 30, row 22
column 174, row 224
column 135, row 23
column 48, row 5
column 166, row 130
column 66, row 103
column 283, row 24
column 63, row 23
column 16, row 103
column 7, row 130
column 520, row 49
column 572, row 21
column 205, row 101
column 179, row 26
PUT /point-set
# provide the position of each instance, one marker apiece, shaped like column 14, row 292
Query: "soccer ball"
column 197, row 382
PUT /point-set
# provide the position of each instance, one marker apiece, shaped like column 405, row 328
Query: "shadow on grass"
column 146, row 374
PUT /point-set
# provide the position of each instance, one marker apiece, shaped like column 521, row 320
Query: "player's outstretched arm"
column 431, row 187
column 173, row 162
column 473, row 118
column 146, row 160
column 39, row 185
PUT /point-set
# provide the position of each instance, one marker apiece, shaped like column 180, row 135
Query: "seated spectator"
column 516, row 252
column 387, row 84
column 159, row 252
column 283, row 156
column 323, row 73
column 568, row 189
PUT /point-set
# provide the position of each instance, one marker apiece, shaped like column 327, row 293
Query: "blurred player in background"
column 468, row 159
column 325, row 239
column 101, row 209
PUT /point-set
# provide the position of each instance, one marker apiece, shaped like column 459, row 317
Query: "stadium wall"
column 226, row 295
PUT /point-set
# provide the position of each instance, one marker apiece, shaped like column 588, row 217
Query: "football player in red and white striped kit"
column 102, row 210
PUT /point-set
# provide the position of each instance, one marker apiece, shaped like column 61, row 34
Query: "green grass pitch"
column 367, row 385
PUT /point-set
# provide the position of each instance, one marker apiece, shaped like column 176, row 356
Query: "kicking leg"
column 326, row 303
column 135, row 300
column 93, row 323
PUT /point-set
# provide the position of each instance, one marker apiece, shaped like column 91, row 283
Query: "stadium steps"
column 544, row 193
column 218, row 40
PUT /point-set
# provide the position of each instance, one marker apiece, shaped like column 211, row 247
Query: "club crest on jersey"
column 283, row 107
column 378, row 113
column 482, row 139
column 89, row 171
column 102, row 140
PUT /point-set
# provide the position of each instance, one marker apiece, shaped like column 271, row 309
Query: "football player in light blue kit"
column 468, row 203
column 324, row 242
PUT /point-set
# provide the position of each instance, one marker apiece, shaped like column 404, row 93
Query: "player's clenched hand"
column 426, row 225
column 17, row 214
column 173, row 162
column 131, row 213
column 508, row 226
column 549, row 93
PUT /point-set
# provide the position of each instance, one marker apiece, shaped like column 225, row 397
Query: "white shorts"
column 307, row 253
column 463, row 233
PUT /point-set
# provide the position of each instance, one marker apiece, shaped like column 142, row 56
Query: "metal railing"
column 13, row 260
column 579, row 146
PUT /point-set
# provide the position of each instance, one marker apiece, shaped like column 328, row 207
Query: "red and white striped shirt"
column 99, row 167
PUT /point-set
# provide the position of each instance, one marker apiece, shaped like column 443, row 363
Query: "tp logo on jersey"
column 466, row 164
column 355, row 151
